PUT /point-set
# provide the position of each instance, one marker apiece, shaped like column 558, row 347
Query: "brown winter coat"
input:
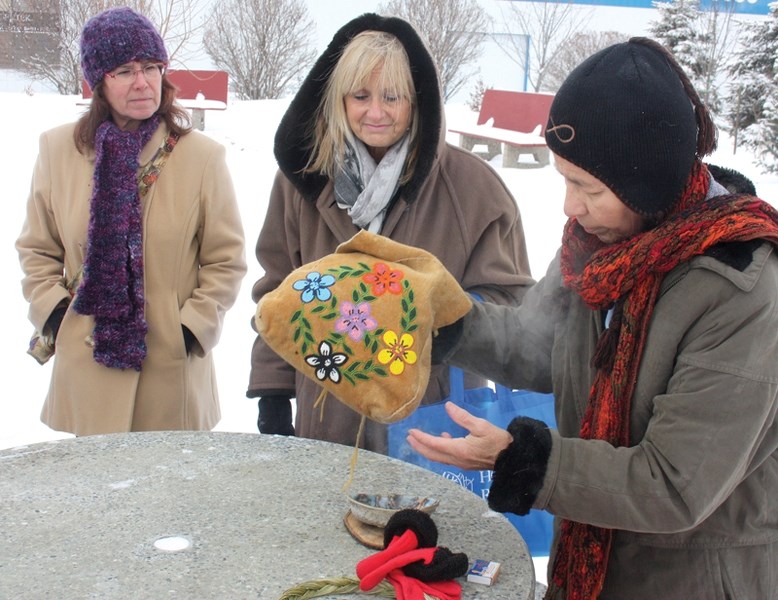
column 455, row 206
column 193, row 265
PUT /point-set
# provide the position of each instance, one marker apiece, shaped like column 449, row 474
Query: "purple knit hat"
column 117, row 36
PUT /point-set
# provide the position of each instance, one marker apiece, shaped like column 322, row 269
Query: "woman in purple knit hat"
column 132, row 249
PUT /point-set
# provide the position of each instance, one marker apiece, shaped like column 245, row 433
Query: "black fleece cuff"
column 521, row 467
column 189, row 338
column 445, row 339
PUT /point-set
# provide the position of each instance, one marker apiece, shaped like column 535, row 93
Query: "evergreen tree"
column 753, row 100
column 763, row 136
column 675, row 30
column 699, row 40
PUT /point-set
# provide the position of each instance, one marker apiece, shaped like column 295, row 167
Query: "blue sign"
column 752, row 7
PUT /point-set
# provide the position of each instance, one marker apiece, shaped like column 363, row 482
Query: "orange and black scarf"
column 627, row 275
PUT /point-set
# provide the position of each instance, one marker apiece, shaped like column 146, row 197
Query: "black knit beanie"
column 624, row 117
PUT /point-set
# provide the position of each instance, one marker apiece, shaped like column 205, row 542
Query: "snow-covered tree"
column 675, row 29
column 701, row 41
column 753, row 101
column 762, row 136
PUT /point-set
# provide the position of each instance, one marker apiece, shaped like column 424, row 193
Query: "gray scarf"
column 364, row 188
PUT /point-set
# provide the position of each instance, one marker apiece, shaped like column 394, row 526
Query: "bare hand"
column 477, row 450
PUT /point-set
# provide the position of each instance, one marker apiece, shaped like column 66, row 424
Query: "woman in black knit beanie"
column 655, row 327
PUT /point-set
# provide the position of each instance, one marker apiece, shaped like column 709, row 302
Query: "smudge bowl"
column 377, row 509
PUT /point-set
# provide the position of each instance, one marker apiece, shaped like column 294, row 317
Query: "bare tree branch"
column 262, row 44
column 454, row 31
column 175, row 19
column 550, row 25
column 180, row 22
column 576, row 50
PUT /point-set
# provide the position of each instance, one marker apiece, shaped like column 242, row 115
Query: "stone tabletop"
column 249, row 516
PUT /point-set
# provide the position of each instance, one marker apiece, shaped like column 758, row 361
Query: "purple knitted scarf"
column 112, row 287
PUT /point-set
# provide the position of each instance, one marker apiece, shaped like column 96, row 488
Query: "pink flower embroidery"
column 355, row 320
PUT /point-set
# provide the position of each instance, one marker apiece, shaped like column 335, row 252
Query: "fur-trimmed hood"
column 293, row 140
column 734, row 181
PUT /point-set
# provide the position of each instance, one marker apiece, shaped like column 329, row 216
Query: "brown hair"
column 175, row 117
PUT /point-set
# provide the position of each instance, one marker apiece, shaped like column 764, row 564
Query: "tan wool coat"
column 194, row 260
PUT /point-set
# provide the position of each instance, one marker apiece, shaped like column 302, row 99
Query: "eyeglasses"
column 127, row 75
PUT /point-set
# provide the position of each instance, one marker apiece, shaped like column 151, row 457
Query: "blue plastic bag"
column 498, row 406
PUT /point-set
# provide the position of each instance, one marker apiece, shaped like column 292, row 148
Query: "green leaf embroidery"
column 328, row 311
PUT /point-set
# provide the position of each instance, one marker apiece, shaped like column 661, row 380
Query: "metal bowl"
column 377, row 509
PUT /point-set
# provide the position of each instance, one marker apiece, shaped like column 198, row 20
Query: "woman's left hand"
column 477, row 450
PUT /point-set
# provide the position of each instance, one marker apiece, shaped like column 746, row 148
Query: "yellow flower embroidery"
column 398, row 353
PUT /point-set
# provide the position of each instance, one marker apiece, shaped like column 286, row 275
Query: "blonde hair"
column 366, row 53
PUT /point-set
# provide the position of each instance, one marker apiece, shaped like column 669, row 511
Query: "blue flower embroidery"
column 326, row 363
column 314, row 285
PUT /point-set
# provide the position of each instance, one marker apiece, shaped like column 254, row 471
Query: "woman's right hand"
column 477, row 450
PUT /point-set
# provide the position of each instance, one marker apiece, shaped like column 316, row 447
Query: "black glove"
column 445, row 565
column 55, row 320
column 189, row 338
column 275, row 415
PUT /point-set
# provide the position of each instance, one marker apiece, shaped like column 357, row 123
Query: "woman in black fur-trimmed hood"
column 362, row 146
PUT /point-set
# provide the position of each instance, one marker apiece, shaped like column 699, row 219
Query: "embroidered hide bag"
column 361, row 326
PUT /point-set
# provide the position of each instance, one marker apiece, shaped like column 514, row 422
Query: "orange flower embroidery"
column 384, row 279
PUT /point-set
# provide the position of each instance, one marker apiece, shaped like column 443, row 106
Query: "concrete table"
column 257, row 514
